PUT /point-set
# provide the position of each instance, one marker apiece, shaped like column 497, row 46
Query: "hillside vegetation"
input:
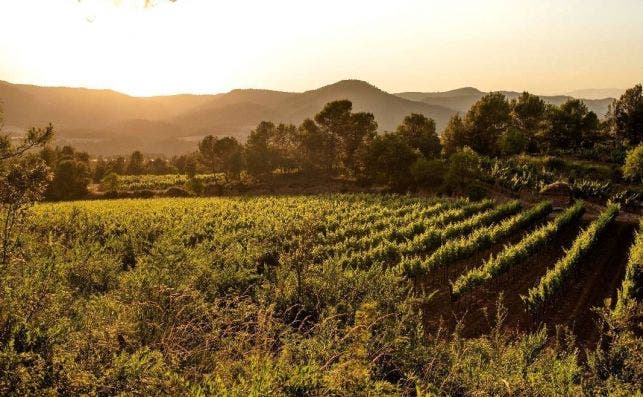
column 106, row 122
column 289, row 296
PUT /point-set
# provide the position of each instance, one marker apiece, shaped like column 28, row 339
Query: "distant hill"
column 597, row 93
column 107, row 122
column 461, row 99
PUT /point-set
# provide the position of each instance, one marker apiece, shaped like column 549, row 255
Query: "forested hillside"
column 106, row 122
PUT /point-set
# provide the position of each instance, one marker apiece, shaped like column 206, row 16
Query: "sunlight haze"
column 190, row 46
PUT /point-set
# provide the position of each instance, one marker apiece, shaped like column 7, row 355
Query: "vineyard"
column 302, row 294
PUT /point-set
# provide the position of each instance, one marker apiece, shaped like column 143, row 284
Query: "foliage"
column 512, row 141
column 528, row 117
column 513, row 254
column 136, row 165
column 454, row 136
column 464, row 167
column 221, row 155
column 627, row 115
column 418, row 132
column 228, row 296
column 451, row 225
column 388, row 160
column 585, row 188
column 428, row 172
column 349, row 131
column 516, row 175
column 485, row 122
column 571, row 125
column 628, row 199
column 555, row 277
column 110, row 182
column 480, row 238
column 633, row 167
column 630, row 290
column 23, row 181
column 155, row 182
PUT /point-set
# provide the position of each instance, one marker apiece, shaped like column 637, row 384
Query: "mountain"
column 463, row 98
column 239, row 111
column 597, row 93
column 105, row 122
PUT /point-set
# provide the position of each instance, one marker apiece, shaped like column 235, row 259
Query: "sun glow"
column 210, row 46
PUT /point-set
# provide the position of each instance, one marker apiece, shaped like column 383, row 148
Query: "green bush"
column 428, row 172
column 512, row 141
column 464, row 167
column 633, row 167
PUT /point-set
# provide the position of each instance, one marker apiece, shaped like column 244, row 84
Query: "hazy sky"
column 211, row 46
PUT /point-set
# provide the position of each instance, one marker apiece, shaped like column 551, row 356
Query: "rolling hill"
column 461, row 99
column 106, row 122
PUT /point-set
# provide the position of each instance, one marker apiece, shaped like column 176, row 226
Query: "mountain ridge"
column 106, row 122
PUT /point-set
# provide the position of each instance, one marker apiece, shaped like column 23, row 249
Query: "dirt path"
column 440, row 312
column 512, row 284
column 597, row 279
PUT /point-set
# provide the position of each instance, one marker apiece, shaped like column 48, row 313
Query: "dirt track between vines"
column 598, row 278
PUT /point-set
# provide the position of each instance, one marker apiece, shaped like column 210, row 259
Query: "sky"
column 209, row 46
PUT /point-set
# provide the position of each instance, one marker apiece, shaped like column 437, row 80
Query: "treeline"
column 338, row 142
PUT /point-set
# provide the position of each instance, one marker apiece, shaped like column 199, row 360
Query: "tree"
column 136, row 165
column 186, row 163
column 71, row 173
column 70, row 180
column 513, row 141
column 627, row 115
column 419, row 133
column 570, row 126
column 464, row 168
column 260, row 158
column 101, row 169
column 117, row 165
column 221, row 155
column 315, row 148
column 427, row 172
column 633, row 167
column 388, row 159
column 23, row 180
column 363, row 130
column 283, row 142
column 110, row 182
column 159, row 166
column 485, row 121
column 454, row 136
column 528, row 115
column 348, row 131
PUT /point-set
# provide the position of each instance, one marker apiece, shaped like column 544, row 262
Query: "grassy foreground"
column 230, row 297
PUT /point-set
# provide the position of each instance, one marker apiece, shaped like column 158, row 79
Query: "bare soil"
column 596, row 280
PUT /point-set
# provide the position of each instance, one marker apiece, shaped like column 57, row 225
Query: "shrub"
column 428, row 172
column 145, row 193
column 213, row 189
column 512, row 141
column 195, row 186
column 554, row 163
column 464, row 166
column 633, row 167
column 110, row 182
column 177, row 192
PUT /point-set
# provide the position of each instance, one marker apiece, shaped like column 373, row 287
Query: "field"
column 159, row 182
column 309, row 295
